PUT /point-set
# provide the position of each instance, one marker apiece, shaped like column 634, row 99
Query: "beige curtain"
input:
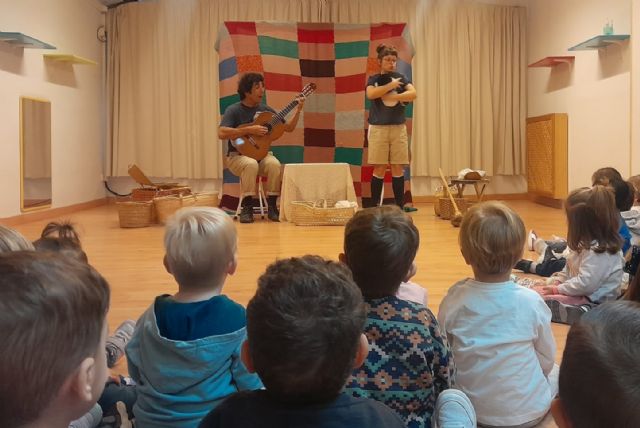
column 163, row 74
column 470, row 76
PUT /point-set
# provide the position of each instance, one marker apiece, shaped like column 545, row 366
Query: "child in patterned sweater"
column 409, row 361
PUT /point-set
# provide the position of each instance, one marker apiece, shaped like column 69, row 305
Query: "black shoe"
column 524, row 265
column 246, row 215
column 272, row 213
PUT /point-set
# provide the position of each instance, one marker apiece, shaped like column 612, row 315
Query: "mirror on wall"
column 35, row 153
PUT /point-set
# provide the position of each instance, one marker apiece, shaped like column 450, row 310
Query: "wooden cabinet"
column 547, row 155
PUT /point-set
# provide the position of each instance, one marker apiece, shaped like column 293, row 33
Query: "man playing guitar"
column 251, row 90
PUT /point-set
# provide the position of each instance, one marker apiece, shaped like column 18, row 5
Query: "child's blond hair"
column 200, row 243
column 492, row 237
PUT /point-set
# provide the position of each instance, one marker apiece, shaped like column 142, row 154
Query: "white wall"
column 75, row 92
column 595, row 91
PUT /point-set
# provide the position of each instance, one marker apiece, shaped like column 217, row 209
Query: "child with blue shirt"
column 185, row 352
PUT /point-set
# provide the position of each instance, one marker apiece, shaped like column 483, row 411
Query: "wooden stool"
column 478, row 185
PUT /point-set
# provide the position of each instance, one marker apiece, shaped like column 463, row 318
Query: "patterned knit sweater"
column 408, row 362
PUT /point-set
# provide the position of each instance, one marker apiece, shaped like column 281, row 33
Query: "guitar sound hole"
column 269, row 127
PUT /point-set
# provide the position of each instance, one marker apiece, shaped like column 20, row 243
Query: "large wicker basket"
column 167, row 205
column 320, row 213
column 135, row 213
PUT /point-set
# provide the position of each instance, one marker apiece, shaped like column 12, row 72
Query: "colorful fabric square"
column 408, row 362
column 338, row 58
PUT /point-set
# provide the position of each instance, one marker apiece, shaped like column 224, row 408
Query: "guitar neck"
column 279, row 117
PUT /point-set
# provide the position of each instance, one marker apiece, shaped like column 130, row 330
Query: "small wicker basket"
column 167, row 205
column 206, row 199
column 446, row 207
column 320, row 213
column 135, row 213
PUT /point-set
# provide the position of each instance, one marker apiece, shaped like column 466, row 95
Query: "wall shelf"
column 600, row 42
column 552, row 61
column 73, row 59
column 24, row 41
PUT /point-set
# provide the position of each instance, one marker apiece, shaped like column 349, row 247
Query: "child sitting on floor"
column 500, row 333
column 53, row 318
column 409, row 364
column 185, row 351
column 599, row 375
column 593, row 273
column 304, row 339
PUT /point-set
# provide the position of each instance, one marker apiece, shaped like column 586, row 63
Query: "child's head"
column 52, row 358
column 624, row 194
column 61, row 237
column 592, row 216
column 635, row 181
column 603, row 176
column 304, row 328
column 200, row 245
column 10, row 240
column 599, row 374
column 380, row 244
column 492, row 238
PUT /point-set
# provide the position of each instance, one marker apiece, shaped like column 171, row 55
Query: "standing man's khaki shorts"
column 388, row 145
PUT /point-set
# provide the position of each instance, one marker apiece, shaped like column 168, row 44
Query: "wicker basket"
column 149, row 193
column 446, row 207
column 206, row 199
column 320, row 213
column 134, row 213
column 167, row 205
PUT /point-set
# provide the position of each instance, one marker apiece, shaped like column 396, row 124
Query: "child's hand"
column 545, row 290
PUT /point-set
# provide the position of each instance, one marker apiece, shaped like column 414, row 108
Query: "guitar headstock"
column 308, row 89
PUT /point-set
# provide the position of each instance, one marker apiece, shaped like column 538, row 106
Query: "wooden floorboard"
column 131, row 259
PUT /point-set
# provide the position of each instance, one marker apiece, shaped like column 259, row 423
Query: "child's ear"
column 233, row 265
column 559, row 415
column 343, row 258
column 166, row 264
column 362, row 352
column 246, row 357
column 466, row 260
column 80, row 383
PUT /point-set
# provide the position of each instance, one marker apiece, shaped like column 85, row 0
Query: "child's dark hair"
column 380, row 243
column 624, row 192
column 52, row 313
column 246, row 82
column 599, row 374
column 61, row 237
column 604, row 176
column 592, row 216
column 383, row 50
column 303, row 327
column 633, row 292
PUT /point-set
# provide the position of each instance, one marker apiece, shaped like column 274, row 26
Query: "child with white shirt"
column 593, row 273
column 499, row 332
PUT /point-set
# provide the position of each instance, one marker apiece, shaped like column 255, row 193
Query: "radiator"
column 547, row 155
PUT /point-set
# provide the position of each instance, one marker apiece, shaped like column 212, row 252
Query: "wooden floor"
column 131, row 259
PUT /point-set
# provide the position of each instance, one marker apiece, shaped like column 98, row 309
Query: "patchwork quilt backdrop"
column 338, row 58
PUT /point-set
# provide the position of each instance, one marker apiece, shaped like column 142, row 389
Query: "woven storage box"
column 149, row 193
column 446, row 207
column 206, row 200
column 320, row 213
column 134, row 213
column 167, row 205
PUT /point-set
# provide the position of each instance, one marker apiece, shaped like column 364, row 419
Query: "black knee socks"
column 376, row 190
column 398, row 190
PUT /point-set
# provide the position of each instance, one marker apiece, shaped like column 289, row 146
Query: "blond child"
column 185, row 352
column 53, row 318
column 499, row 332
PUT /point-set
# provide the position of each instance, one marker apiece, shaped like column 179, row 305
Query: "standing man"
column 388, row 91
column 251, row 90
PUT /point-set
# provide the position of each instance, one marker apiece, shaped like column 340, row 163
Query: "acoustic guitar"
column 257, row 146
